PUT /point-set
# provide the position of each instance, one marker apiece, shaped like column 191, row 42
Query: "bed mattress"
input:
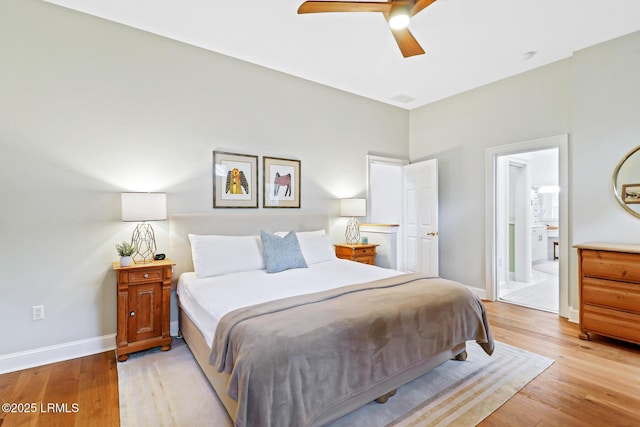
column 207, row 299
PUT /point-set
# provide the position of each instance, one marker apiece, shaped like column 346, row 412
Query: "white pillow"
column 315, row 245
column 216, row 255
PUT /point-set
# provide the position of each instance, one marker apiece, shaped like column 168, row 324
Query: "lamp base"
column 144, row 240
column 352, row 233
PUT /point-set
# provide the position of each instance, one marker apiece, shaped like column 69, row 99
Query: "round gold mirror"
column 626, row 182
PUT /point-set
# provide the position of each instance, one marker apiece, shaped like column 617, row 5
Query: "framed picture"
column 281, row 183
column 631, row 193
column 235, row 180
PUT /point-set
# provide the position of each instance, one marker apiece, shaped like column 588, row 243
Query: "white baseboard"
column 56, row 353
column 66, row 351
column 480, row 293
column 71, row 350
column 574, row 315
column 174, row 328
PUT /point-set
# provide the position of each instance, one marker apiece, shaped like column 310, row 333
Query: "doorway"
column 527, row 224
column 530, row 275
column 407, row 195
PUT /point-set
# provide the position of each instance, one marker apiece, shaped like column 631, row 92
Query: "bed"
column 305, row 345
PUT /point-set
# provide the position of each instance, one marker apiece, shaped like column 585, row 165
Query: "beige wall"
column 594, row 96
column 90, row 108
column 457, row 131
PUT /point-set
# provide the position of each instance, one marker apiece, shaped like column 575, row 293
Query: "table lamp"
column 143, row 207
column 353, row 208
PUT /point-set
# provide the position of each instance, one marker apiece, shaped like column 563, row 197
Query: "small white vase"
column 126, row 261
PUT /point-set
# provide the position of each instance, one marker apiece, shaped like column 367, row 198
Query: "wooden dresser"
column 143, row 307
column 609, row 276
column 365, row 254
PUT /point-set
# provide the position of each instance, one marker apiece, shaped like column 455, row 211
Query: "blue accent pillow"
column 281, row 253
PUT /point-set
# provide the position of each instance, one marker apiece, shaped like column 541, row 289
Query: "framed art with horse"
column 281, row 183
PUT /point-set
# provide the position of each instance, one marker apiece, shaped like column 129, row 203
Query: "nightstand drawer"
column 145, row 276
column 371, row 260
column 362, row 252
column 355, row 251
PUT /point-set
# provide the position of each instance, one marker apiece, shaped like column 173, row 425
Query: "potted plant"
column 125, row 250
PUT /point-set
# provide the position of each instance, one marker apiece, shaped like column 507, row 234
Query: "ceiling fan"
column 396, row 12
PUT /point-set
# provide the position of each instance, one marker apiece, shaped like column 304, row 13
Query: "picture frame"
column 235, row 180
column 281, row 183
column 631, row 194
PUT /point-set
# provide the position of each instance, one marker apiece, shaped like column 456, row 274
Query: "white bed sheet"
column 207, row 299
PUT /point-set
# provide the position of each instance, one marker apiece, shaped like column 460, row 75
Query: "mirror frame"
column 619, row 198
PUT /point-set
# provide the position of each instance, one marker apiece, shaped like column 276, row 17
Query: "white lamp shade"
column 353, row 207
column 144, row 206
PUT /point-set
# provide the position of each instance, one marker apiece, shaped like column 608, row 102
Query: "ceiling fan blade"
column 408, row 44
column 344, row 6
column 419, row 5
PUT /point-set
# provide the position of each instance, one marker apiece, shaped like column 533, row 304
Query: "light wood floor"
column 591, row 383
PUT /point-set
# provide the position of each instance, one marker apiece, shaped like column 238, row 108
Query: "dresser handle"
column 132, row 314
column 146, row 275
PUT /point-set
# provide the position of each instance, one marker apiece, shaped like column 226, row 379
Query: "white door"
column 520, row 215
column 421, row 217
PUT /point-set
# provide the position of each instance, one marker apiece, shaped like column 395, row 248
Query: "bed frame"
column 250, row 224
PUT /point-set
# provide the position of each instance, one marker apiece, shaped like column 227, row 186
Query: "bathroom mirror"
column 549, row 206
column 626, row 182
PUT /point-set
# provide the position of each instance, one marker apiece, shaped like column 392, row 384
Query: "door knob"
column 132, row 314
column 432, row 234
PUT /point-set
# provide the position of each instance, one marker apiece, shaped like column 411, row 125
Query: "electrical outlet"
column 38, row 312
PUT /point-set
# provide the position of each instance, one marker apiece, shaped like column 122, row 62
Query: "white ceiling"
column 468, row 43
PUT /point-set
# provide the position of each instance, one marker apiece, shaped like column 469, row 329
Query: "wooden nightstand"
column 143, row 307
column 365, row 254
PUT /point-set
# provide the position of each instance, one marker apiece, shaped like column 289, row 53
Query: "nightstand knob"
column 132, row 314
column 146, row 275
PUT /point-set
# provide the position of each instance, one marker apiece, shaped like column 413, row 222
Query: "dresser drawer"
column 609, row 293
column 611, row 265
column 612, row 323
column 145, row 276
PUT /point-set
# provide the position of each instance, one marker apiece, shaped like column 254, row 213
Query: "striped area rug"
column 168, row 389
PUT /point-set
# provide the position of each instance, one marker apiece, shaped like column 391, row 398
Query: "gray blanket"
column 293, row 359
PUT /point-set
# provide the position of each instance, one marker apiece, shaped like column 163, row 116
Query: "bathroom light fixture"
column 142, row 207
column 353, row 208
column 548, row 189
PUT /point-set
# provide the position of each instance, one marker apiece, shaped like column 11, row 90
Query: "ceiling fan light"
column 399, row 21
column 399, row 17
